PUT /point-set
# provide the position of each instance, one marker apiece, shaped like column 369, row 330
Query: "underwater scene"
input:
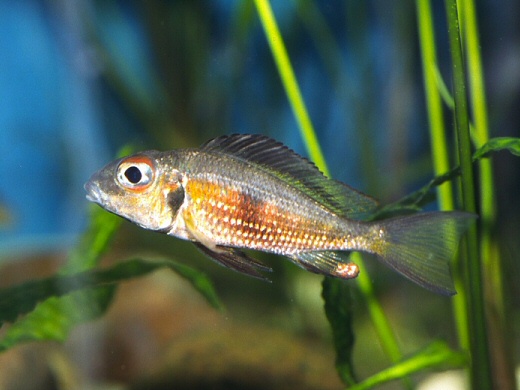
column 259, row 194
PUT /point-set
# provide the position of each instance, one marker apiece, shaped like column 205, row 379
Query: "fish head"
column 139, row 188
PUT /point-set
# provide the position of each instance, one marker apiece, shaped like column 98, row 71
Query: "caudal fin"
column 420, row 246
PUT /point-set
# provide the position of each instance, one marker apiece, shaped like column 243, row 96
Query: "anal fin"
column 327, row 263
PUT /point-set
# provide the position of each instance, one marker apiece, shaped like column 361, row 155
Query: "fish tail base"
column 420, row 246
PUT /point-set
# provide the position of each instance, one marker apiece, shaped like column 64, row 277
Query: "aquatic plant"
column 47, row 309
column 469, row 305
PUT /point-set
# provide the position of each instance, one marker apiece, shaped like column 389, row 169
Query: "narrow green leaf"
column 69, row 300
column 497, row 144
column 480, row 369
column 199, row 281
column 338, row 308
column 94, row 242
column 292, row 89
column 442, row 88
column 78, row 293
column 416, row 200
column 436, row 356
column 310, row 139
column 21, row 299
column 54, row 318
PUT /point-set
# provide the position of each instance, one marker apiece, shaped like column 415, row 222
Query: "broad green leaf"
column 338, row 307
column 21, row 299
column 436, row 356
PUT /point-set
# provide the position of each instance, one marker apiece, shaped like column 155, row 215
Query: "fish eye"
column 135, row 173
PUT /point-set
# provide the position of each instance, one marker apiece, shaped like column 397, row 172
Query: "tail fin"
column 420, row 246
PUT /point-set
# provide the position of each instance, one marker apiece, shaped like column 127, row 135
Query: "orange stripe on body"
column 230, row 217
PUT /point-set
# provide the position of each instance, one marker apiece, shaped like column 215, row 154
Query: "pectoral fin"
column 326, row 263
column 236, row 260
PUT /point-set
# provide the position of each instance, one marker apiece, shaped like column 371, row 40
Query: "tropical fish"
column 251, row 192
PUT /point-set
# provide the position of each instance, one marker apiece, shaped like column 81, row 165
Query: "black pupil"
column 134, row 175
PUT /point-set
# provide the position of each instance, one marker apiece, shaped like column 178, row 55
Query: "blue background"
column 78, row 80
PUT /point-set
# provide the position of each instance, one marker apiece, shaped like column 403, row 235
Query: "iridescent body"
column 248, row 191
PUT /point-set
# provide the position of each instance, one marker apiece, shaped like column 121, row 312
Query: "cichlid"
column 249, row 191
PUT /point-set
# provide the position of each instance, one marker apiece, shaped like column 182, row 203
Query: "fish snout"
column 93, row 191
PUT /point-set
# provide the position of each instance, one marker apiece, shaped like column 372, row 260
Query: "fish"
column 246, row 191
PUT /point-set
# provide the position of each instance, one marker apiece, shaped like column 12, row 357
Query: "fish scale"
column 288, row 214
column 232, row 217
column 247, row 191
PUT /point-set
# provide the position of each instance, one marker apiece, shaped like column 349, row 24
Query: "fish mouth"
column 93, row 192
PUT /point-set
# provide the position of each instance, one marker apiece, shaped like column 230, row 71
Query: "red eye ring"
column 135, row 173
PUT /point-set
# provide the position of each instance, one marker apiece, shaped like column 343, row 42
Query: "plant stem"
column 440, row 153
column 290, row 84
column 489, row 252
column 480, row 371
column 439, row 147
column 379, row 319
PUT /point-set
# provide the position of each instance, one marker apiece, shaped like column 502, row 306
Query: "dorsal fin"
column 295, row 170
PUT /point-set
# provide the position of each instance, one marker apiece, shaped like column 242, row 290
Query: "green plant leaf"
column 53, row 306
column 54, row 318
column 69, row 300
column 94, row 242
column 416, row 200
column 96, row 239
column 497, row 144
column 23, row 298
column 442, row 88
column 436, row 356
column 338, row 308
column 199, row 281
